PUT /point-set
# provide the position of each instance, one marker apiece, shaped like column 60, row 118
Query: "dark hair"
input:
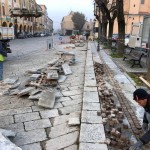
column 140, row 93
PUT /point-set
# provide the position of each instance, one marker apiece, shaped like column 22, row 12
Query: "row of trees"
column 106, row 15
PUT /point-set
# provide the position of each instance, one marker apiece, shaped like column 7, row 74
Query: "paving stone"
column 72, row 92
column 92, row 146
column 27, row 117
column 70, row 109
column 92, row 133
column 37, row 124
column 35, row 146
column 38, row 108
column 6, row 144
column 62, row 141
column 7, row 133
column 11, row 80
column 34, row 77
column 91, row 106
column 53, row 61
column 73, row 147
column 90, row 83
column 64, row 118
column 24, row 138
column 61, row 129
column 47, row 99
column 90, row 89
column 62, row 78
column 74, row 121
column 91, row 97
column 66, row 68
column 90, row 77
column 58, row 105
column 6, row 120
column 52, row 74
column 36, row 91
column 60, row 120
column 72, row 102
column 26, row 91
column 35, row 97
column 49, row 113
column 76, row 87
column 62, row 99
column 91, row 117
column 18, row 127
column 75, row 97
column 10, row 112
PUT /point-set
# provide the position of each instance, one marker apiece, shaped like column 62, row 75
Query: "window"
column 142, row 1
column 15, row 1
column 3, row 8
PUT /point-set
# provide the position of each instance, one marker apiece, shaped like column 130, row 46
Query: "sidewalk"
column 40, row 128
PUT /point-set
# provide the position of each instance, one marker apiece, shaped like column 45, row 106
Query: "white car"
column 42, row 34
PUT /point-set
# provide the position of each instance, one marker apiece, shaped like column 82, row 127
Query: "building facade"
column 134, row 12
column 67, row 25
column 25, row 16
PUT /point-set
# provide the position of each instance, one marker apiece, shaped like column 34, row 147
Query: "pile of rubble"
column 40, row 84
column 118, row 134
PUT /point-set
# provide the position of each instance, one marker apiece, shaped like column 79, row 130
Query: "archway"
column 16, row 29
column 28, row 29
column 4, row 24
column 31, row 29
column 24, row 28
column 10, row 25
column 20, row 29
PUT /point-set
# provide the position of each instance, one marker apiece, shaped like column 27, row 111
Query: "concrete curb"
column 92, row 134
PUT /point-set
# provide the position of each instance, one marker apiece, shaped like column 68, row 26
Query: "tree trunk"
column 111, row 26
column 121, row 26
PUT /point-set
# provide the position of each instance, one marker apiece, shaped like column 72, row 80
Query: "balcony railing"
column 24, row 12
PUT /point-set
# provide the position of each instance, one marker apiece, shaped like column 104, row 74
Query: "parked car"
column 42, row 34
column 29, row 34
column 36, row 34
column 21, row 35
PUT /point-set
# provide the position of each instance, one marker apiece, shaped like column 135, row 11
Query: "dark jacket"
column 146, row 119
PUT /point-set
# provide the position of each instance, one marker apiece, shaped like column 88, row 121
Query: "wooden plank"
column 145, row 81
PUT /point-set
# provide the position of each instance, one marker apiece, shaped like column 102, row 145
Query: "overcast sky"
column 57, row 9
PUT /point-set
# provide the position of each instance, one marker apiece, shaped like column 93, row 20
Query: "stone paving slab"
column 92, row 146
column 10, row 112
column 72, row 102
column 73, row 147
column 17, row 127
column 61, row 129
column 92, row 133
column 6, row 120
column 90, row 89
column 91, row 106
column 91, row 117
column 24, row 138
column 37, row 124
column 70, row 109
column 62, row 141
column 72, row 92
column 49, row 113
column 35, row 146
column 91, row 97
column 27, row 117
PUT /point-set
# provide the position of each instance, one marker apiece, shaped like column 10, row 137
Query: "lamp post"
column 97, row 15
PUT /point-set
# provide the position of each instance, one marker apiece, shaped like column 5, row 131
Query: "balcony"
column 24, row 12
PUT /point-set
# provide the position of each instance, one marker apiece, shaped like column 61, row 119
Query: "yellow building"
column 24, row 15
column 134, row 11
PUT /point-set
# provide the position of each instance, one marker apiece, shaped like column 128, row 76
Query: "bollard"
column 49, row 44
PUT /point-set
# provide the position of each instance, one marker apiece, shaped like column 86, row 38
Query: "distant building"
column 67, row 25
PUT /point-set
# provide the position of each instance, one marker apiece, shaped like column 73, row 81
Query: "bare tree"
column 78, row 20
column 109, row 15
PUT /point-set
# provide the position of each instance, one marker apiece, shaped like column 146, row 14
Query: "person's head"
column 140, row 96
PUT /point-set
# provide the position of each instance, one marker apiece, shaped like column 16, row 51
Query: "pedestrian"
column 143, row 99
